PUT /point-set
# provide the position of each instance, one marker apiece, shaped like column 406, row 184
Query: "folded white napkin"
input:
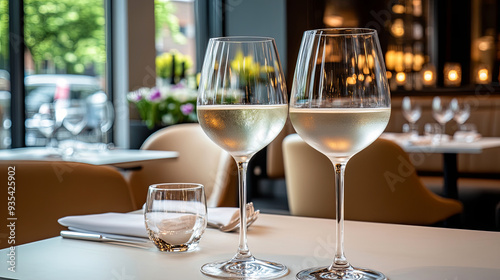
column 132, row 224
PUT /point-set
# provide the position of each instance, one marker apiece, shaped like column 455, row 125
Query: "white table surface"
column 123, row 158
column 401, row 252
column 452, row 146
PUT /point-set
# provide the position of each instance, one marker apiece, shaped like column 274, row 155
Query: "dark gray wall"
column 258, row 18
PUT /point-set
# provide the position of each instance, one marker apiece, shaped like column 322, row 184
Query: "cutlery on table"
column 102, row 238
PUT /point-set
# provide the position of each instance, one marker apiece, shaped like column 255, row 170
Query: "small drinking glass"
column 467, row 133
column 433, row 132
column 176, row 216
column 461, row 112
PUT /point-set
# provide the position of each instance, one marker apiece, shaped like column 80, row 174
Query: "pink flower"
column 155, row 95
column 187, row 109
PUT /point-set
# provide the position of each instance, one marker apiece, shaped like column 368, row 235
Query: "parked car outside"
column 46, row 88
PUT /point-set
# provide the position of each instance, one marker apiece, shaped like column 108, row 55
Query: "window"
column 65, row 58
column 5, row 121
column 64, row 52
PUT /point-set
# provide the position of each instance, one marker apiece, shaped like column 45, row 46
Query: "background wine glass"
column 412, row 112
column 442, row 113
column 461, row 112
column 47, row 123
column 73, row 114
column 340, row 104
column 101, row 115
column 242, row 106
column 75, row 118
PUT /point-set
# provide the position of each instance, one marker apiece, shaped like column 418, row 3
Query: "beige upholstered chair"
column 200, row 161
column 380, row 186
column 46, row 191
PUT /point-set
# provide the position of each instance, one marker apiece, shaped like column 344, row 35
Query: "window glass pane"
column 175, row 64
column 4, row 76
column 65, row 59
column 175, row 33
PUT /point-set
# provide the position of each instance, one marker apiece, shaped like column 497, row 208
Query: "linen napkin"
column 132, row 224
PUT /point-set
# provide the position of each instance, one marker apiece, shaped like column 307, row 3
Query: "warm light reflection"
column 453, row 75
column 418, row 61
column 361, row 61
column 398, row 28
column 371, row 61
column 483, row 75
column 390, row 59
column 428, row 76
column 484, row 46
column 400, row 77
column 408, row 59
column 399, row 60
column 339, row 145
column 398, row 9
column 351, row 80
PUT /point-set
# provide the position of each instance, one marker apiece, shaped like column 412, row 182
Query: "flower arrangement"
column 250, row 70
column 165, row 105
column 173, row 60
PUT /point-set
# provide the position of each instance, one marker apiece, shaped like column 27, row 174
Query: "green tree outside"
column 69, row 35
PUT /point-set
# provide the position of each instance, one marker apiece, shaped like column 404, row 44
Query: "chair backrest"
column 381, row 185
column 45, row 191
column 200, row 161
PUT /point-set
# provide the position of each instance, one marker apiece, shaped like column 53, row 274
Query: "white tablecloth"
column 401, row 252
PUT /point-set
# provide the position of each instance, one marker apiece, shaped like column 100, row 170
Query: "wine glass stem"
column 243, row 251
column 340, row 262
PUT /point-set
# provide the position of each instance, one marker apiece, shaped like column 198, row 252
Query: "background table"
column 401, row 252
column 449, row 150
column 121, row 158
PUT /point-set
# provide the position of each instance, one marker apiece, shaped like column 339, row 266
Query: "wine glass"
column 461, row 112
column 242, row 107
column 73, row 114
column 412, row 112
column 48, row 123
column 101, row 114
column 442, row 113
column 340, row 104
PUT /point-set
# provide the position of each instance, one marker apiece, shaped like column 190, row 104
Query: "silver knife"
column 100, row 238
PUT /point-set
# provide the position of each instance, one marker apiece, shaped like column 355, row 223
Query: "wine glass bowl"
column 75, row 116
column 461, row 111
column 412, row 111
column 102, row 115
column 47, row 123
column 340, row 104
column 442, row 112
column 242, row 106
column 72, row 113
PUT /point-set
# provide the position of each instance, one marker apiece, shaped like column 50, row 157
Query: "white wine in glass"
column 242, row 106
column 340, row 104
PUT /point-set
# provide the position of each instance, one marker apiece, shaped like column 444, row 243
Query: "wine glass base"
column 356, row 273
column 245, row 269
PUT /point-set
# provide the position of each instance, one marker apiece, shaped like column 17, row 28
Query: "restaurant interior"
column 100, row 99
